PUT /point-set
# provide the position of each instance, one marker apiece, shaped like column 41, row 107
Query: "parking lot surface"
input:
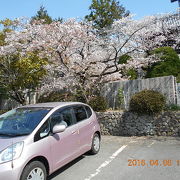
column 127, row 158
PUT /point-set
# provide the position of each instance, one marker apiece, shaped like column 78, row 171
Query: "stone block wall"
column 132, row 124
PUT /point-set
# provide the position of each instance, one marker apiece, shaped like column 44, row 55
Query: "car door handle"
column 74, row 132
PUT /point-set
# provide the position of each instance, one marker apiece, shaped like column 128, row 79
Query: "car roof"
column 52, row 104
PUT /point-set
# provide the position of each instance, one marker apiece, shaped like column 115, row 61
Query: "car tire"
column 95, row 147
column 34, row 170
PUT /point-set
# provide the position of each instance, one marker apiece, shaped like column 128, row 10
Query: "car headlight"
column 12, row 152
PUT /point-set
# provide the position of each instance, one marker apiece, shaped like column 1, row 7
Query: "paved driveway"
column 127, row 158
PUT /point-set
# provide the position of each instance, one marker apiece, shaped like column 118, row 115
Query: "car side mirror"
column 58, row 128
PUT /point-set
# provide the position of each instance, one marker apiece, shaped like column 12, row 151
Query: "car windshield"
column 21, row 121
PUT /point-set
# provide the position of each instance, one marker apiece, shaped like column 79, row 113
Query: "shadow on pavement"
column 59, row 171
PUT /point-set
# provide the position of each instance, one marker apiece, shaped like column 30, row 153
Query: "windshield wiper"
column 13, row 135
column 23, row 134
column 6, row 134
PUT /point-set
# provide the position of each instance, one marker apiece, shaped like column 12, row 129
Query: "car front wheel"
column 34, row 171
column 95, row 144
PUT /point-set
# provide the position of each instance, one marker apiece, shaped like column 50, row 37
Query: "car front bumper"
column 9, row 171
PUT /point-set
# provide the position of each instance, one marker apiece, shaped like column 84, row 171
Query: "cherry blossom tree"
column 78, row 56
column 163, row 31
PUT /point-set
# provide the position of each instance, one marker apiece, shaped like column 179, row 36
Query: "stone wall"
column 131, row 124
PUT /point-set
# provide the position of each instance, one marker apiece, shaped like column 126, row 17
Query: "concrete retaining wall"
column 165, row 85
column 178, row 94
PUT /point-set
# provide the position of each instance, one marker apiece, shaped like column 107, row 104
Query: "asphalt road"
column 127, row 158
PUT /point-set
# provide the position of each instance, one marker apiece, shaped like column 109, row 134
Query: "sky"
column 79, row 8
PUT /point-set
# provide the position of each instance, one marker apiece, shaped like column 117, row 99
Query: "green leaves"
column 124, row 58
column 132, row 73
column 21, row 73
column 170, row 64
column 105, row 12
column 9, row 25
column 43, row 15
column 2, row 39
column 30, row 70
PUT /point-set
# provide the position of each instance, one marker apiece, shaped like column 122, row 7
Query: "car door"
column 85, row 125
column 64, row 145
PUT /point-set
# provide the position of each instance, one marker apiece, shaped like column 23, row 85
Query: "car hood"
column 8, row 141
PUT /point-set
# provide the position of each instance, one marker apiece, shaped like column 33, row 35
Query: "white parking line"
column 110, row 159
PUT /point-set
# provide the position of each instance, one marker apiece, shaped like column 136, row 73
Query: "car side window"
column 88, row 110
column 62, row 117
column 80, row 113
column 67, row 116
column 43, row 131
column 55, row 118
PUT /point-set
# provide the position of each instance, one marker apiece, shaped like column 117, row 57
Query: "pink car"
column 36, row 140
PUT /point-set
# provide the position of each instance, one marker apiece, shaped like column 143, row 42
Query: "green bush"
column 56, row 96
column 98, row 103
column 147, row 102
